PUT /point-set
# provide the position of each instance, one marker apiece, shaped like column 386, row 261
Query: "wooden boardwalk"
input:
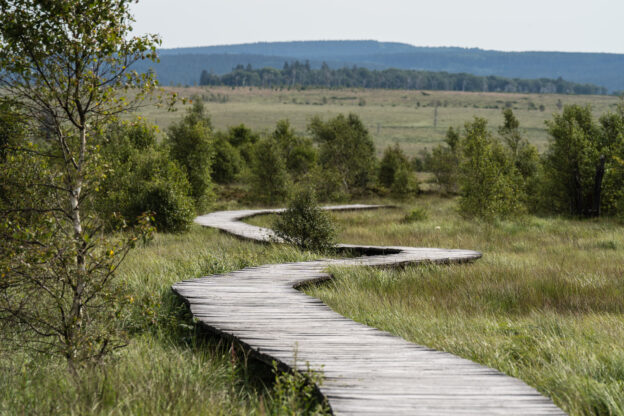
column 365, row 370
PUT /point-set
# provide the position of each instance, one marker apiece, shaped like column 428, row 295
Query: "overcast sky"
column 518, row 25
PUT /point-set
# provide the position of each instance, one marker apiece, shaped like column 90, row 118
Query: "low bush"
column 305, row 225
column 269, row 177
column 415, row 215
column 142, row 178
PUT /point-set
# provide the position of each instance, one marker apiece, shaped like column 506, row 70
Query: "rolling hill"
column 184, row 65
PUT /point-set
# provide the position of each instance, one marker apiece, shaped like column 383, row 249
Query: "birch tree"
column 65, row 67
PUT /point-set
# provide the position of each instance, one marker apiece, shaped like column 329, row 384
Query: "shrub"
column 522, row 154
column 142, row 178
column 404, row 184
column 444, row 161
column 393, row 160
column 269, row 178
column 243, row 139
column 571, row 161
column 159, row 186
column 189, row 142
column 345, row 146
column 326, row 184
column 490, row 184
column 297, row 390
column 415, row 215
column 298, row 152
column 304, row 224
column 227, row 161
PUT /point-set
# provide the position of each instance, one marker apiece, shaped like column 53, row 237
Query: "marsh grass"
column 545, row 303
column 391, row 116
column 171, row 366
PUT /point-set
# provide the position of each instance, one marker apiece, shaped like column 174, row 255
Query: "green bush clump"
column 142, row 178
column 347, row 148
column 444, row 162
column 393, row 160
column 305, row 225
column 415, row 215
column 490, row 184
column 159, row 186
column 269, row 179
column 189, row 142
column 227, row 162
column 297, row 390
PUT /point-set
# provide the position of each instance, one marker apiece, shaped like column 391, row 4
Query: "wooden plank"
column 366, row 371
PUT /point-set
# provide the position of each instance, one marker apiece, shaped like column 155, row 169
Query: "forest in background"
column 182, row 65
column 301, row 75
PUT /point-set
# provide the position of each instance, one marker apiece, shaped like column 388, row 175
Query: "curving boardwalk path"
column 366, row 371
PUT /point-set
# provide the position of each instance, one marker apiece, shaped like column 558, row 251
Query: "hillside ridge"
column 184, row 65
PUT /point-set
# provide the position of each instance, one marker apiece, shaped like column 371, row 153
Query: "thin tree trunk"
column 578, row 194
column 600, row 170
column 76, row 312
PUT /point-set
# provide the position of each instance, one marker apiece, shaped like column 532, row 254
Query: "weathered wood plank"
column 366, row 371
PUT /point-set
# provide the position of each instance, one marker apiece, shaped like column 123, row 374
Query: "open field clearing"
column 392, row 116
column 544, row 304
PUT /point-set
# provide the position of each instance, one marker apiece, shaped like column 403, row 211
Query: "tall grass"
column 392, row 116
column 545, row 303
column 171, row 366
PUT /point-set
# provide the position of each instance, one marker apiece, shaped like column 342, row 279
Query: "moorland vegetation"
column 96, row 224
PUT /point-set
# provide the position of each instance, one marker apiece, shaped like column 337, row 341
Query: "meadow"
column 170, row 366
column 391, row 116
column 544, row 304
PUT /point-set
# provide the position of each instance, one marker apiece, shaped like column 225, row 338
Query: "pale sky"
column 518, row 25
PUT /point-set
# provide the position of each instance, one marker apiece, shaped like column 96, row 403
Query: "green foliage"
column 573, row 159
column 304, row 224
column 298, row 152
column 12, row 126
column 490, row 184
column 296, row 390
column 37, row 302
column 346, row 147
column 395, row 172
column 443, row 162
column 142, row 178
column 416, row 215
column 613, row 186
column 66, row 67
column 189, row 142
column 243, row 138
column 157, row 185
column 405, row 184
column 393, row 160
column 300, row 74
column 227, row 162
column 326, row 184
column 523, row 155
column 269, row 179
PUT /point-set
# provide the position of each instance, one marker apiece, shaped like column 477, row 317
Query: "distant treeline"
column 298, row 74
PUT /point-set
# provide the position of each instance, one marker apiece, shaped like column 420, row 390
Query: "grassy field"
column 392, row 116
column 545, row 303
column 170, row 367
